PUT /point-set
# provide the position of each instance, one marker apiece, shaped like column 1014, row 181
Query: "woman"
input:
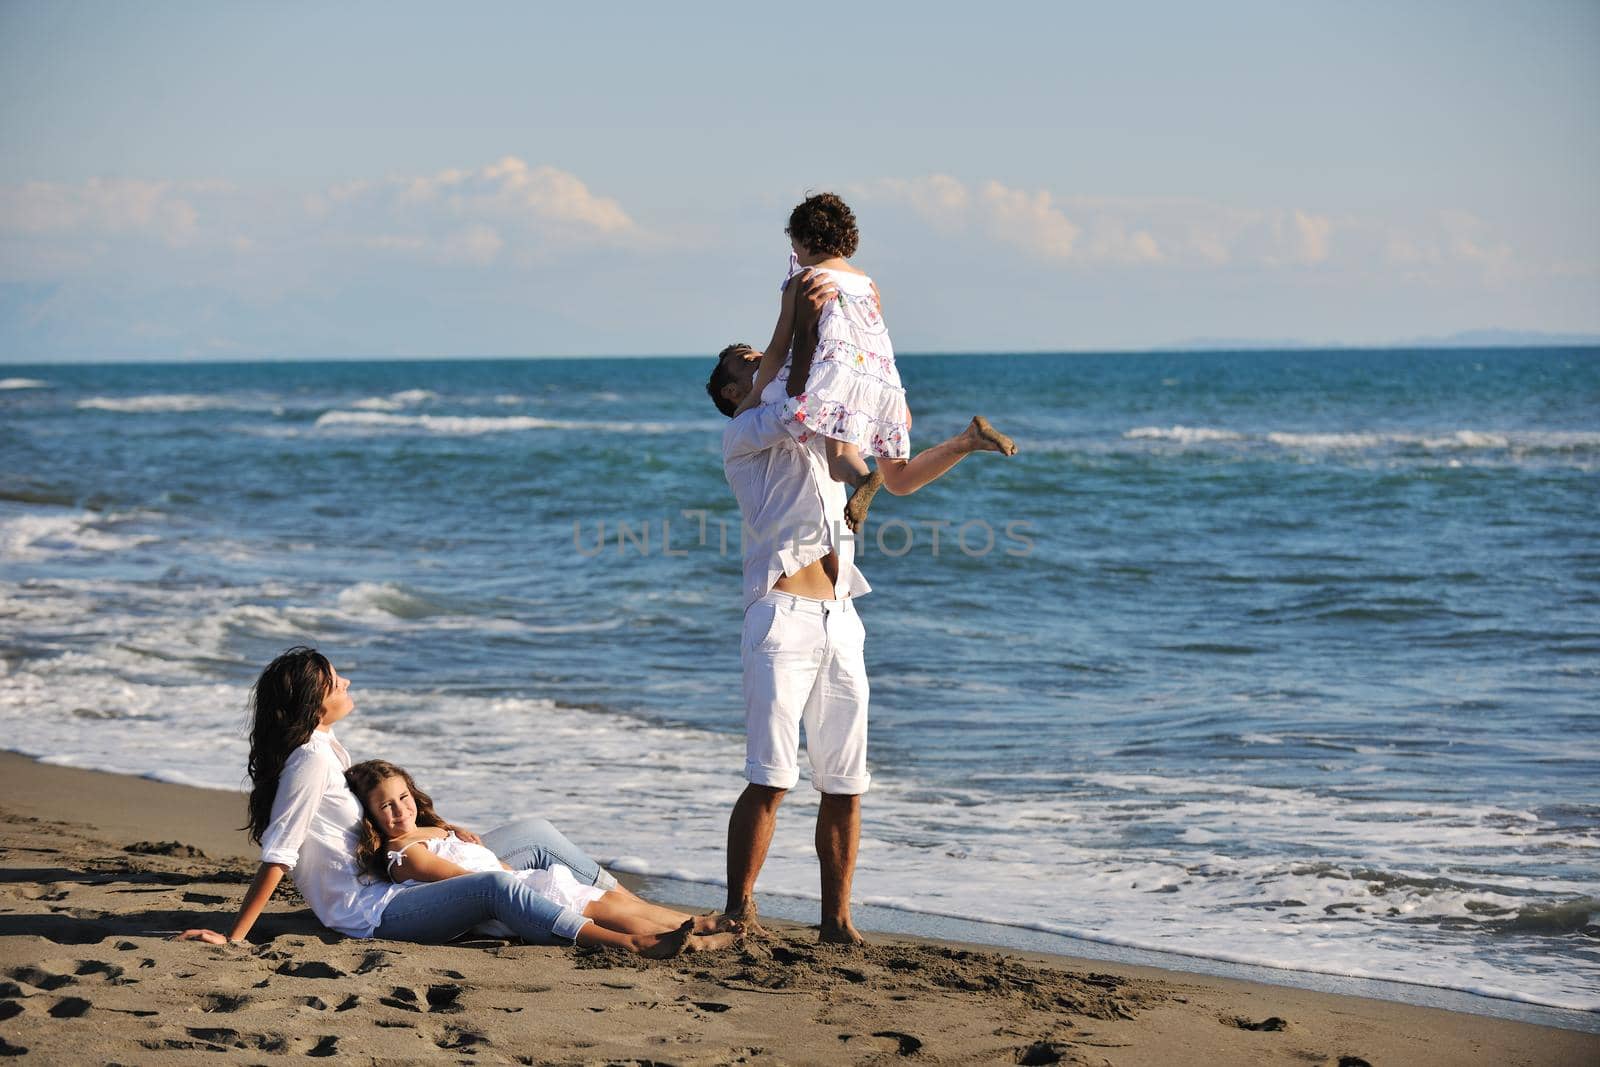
column 307, row 822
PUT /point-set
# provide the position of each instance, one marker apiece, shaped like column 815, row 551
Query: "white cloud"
column 1313, row 232
column 1104, row 230
column 509, row 192
column 477, row 245
column 465, row 217
column 1451, row 238
column 104, row 206
column 1027, row 220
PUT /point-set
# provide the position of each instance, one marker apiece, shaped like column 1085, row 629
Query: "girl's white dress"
column 853, row 392
column 556, row 884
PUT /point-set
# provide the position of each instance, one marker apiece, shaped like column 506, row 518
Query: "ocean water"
column 1280, row 658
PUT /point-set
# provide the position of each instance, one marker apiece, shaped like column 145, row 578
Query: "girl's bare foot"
column 717, row 924
column 855, row 509
column 985, row 438
column 680, row 941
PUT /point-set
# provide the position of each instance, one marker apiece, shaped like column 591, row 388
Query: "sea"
column 1281, row 659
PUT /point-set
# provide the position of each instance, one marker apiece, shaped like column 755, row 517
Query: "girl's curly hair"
column 825, row 225
column 362, row 779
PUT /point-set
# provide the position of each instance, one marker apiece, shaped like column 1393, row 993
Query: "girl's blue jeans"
column 439, row 911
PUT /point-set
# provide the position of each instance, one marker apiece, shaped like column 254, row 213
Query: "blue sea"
column 1289, row 659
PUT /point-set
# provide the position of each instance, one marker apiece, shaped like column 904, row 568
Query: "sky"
column 194, row 181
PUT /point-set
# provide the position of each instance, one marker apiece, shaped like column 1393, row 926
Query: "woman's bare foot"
column 680, row 941
column 855, row 509
column 981, row 437
column 840, row 934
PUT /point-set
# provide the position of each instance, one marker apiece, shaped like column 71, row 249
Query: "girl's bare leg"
column 846, row 464
column 902, row 476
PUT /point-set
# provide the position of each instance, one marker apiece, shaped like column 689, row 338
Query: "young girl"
column 842, row 382
column 404, row 840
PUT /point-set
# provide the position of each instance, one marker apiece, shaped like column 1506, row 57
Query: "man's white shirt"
column 793, row 510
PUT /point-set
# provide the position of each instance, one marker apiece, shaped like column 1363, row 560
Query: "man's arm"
column 754, row 431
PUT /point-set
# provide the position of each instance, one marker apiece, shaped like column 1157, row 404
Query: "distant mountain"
column 1492, row 338
column 1487, row 338
column 1238, row 344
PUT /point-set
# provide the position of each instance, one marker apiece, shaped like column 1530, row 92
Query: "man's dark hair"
column 721, row 376
column 825, row 225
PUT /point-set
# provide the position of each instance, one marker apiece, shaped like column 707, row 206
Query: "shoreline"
column 129, row 793
column 78, row 906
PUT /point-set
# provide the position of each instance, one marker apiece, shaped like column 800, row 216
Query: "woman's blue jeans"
column 439, row 911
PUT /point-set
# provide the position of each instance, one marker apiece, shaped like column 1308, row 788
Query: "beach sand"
column 96, row 869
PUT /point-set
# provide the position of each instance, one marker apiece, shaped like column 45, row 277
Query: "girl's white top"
column 556, row 883
column 853, row 391
column 315, row 827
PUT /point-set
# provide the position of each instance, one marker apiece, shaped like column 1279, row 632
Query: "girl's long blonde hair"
column 362, row 779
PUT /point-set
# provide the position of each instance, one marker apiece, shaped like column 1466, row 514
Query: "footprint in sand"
column 311, row 969
column 109, row 971
column 885, row 1041
column 325, row 1046
column 221, row 1035
column 402, row 998
column 1045, row 1052
column 40, row 979
column 444, row 998
column 1271, row 1023
column 455, row 1038
column 70, row 1008
column 374, row 960
column 223, row 1002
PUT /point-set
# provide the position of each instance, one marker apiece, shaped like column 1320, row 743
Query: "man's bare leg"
column 902, row 476
column 838, row 837
column 750, row 828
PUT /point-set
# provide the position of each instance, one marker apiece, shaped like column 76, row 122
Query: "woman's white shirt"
column 314, row 831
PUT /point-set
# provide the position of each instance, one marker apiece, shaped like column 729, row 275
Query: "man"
column 802, row 642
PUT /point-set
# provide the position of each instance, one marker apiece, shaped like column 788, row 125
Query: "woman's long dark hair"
column 286, row 706
column 362, row 779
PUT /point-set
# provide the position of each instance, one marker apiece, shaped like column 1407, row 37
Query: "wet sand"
column 97, row 869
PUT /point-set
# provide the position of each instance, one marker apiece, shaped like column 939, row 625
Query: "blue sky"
column 228, row 181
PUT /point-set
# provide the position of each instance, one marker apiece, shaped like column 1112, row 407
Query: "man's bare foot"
column 855, row 509
column 744, row 917
column 681, row 941
column 981, row 437
column 845, row 933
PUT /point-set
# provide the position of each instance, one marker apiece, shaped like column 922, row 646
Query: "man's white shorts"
column 803, row 663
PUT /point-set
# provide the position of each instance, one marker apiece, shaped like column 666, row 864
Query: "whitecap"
column 1187, row 435
column 23, row 383
column 467, row 425
column 159, row 403
column 36, row 536
column 405, row 398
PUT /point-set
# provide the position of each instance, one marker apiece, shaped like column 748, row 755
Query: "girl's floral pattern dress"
column 853, row 392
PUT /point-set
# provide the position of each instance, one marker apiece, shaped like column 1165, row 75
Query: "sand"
column 97, row 869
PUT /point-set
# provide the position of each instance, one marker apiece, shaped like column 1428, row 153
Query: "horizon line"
column 1175, row 350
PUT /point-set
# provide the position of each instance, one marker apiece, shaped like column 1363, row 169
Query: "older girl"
column 308, row 823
